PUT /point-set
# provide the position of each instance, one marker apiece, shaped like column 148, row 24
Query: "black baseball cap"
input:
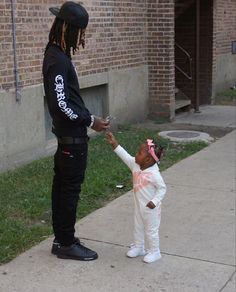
column 73, row 13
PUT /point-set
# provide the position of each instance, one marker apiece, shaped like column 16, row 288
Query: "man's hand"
column 151, row 205
column 111, row 139
column 100, row 124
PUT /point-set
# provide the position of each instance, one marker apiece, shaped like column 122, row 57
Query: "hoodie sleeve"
column 60, row 102
column 160, row 189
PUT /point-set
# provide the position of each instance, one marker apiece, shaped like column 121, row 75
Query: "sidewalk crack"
column 230, row 278
column 166, row 253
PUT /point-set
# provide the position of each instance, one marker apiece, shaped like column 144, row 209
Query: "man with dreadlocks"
column 70, row 120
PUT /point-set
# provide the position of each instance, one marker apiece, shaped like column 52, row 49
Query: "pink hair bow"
column 151, row 150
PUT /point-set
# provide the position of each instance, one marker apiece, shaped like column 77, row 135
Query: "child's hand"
column 151, row 205
column 111, row 139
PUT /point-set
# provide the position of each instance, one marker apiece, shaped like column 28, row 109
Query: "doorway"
column 193, row 53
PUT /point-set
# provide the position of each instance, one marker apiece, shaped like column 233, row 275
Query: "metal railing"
column 188, row 74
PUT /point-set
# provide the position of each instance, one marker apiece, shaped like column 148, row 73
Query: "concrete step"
column 180, row 103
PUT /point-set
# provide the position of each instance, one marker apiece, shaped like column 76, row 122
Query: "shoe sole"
column 68, row 257
column 149, row 262
column 139, row 255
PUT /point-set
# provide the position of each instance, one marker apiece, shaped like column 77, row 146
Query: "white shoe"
column 152, row 257
column 135, row 251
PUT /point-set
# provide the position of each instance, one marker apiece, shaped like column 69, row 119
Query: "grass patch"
column 226, row 97
column 25, row 212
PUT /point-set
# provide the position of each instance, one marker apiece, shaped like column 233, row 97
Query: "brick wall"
column 116, row 38
column 225, row 25
column 224, row 31
column 6, row 60
column 160, row 16
column 32, row 21
column 121, row 34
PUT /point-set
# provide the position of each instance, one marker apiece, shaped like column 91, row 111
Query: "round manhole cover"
column 186, row 136
column 183, row 134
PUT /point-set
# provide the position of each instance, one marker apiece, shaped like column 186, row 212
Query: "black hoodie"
column 70, row 117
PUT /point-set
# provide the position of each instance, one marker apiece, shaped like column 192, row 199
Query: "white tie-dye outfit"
column 148, row 185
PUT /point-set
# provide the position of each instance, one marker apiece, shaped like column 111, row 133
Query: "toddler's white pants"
column 146, row 225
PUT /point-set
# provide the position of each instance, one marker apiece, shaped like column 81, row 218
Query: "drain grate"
column 186, row 136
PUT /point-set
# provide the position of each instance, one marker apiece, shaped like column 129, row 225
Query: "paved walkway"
column 197, row 238
column 210, row 115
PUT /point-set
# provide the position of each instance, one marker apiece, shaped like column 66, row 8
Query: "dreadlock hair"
column 70, row 35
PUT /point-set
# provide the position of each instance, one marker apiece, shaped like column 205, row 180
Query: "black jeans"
column 69, row 168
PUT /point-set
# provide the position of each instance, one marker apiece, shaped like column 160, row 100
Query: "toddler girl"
column 149, row 190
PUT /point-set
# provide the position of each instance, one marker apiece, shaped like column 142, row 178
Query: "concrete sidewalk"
column 210, row 115
column 197, row 238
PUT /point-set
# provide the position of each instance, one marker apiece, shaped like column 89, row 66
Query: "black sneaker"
column 56, row 245
column 76, row 251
